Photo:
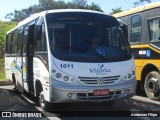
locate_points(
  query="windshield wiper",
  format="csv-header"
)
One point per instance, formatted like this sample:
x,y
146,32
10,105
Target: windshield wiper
x,y
83,51
95,41
72,48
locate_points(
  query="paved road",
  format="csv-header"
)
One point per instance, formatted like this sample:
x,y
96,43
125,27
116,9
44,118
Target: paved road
x,y
13,101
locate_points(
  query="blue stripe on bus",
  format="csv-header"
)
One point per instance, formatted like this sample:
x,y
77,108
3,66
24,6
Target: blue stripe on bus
x,y
15,68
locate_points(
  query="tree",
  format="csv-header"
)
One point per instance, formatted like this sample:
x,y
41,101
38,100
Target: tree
x,y
4,27
95,7
77,4
80,2
141,2
116,10
19,15
60,5
46,4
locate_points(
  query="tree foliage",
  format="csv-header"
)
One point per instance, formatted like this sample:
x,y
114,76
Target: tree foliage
x,y
19,15
116,10
141,2
95,7
4,27
82,3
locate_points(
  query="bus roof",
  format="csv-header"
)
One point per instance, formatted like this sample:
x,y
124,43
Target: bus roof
x,y
56,11
138,9
36,15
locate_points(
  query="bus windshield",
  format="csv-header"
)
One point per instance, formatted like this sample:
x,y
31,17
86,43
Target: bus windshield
x,y
86,37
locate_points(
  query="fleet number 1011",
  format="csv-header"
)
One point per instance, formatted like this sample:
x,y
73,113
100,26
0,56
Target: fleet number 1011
x,y
66,65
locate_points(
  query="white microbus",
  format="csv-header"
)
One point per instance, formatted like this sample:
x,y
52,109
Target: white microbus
x,y
70,56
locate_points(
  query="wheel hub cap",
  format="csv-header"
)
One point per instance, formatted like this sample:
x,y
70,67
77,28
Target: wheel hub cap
x,y
152,84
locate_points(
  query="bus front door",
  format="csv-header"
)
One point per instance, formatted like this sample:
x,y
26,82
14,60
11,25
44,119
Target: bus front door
x,y
28,43
29,58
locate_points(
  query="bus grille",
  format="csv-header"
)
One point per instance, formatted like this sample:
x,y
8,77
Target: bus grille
x,y
98,80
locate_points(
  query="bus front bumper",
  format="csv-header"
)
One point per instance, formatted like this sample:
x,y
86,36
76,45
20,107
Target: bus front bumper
x,y
66,94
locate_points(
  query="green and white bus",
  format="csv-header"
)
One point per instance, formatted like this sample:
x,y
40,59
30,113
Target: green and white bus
x,y
70,56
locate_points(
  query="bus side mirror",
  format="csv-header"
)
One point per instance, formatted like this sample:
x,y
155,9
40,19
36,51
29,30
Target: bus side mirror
x,y
38,32
31,32
125,31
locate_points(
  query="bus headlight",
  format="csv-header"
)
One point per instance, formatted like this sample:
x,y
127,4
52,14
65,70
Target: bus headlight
x,y
129,75
58,75
53,71
65,78
133,72
73,80
62,77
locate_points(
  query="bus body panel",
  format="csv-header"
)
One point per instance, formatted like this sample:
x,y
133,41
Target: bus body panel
x,y
86,94
81,91
20,70
143,59
42,74
96,70
13,69
24,70
8,68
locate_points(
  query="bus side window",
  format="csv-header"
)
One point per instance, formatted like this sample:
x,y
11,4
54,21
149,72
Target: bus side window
x,y
9,44
41,41
31,37
25,39
14,42
154,30
135,29
20,39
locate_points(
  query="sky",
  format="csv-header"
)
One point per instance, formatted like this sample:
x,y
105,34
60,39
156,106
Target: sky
x,y
8,6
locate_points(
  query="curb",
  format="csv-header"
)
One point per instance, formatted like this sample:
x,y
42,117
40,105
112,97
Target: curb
x,y
5,82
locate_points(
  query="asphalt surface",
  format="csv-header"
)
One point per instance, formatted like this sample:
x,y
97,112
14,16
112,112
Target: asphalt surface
x,y
124,109
13,101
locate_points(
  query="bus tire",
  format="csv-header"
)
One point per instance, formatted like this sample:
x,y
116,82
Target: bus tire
x,y
152,85
14,81
43,104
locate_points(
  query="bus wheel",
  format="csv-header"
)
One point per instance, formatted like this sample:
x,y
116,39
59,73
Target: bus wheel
x,y
43,104
14,80
152,85
15,86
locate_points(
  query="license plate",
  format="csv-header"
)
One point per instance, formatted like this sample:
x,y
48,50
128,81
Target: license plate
x,y
101,92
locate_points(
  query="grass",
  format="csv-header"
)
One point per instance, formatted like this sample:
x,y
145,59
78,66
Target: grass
x,y
2,71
